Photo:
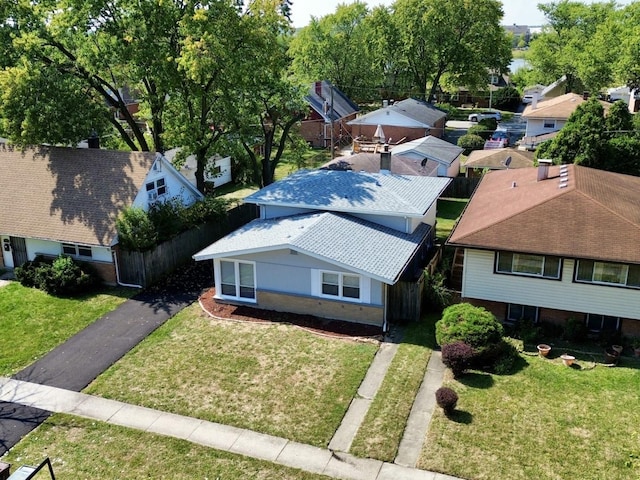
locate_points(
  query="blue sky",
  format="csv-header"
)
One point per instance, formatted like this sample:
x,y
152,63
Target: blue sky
x,y
521,12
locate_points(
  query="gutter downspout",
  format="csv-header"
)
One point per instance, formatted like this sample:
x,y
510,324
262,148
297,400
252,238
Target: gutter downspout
x,y
385,325
115,258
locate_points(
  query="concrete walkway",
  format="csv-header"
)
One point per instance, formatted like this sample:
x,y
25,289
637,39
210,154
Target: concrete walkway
x,y
346,432
421,413
222,437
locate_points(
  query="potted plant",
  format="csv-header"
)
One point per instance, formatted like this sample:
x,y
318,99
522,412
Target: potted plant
x,y
543,349
567,359
617,348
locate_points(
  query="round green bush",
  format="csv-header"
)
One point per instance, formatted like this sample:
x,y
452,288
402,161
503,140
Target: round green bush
x,y
465,323
471,142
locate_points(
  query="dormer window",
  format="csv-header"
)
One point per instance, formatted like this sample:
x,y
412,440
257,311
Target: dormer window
x,y
156,189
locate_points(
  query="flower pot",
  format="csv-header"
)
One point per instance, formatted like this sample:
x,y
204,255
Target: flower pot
x,y
617,348
567,359
611,356
543,349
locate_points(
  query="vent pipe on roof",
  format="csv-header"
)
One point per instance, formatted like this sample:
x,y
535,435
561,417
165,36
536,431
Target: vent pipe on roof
x,y
385,103
94,140
543,168
534,101
585,95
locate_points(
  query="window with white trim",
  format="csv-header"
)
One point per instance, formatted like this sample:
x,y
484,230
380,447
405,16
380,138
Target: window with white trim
x,y
340,285
516,313
548,124
602,323
237,279
76,250
604,273
156,189
543,266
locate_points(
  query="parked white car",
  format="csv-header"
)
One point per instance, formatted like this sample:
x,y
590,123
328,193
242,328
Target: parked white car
x,y
477,117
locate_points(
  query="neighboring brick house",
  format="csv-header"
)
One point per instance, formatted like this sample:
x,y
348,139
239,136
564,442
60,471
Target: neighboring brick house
x,y
329,109
333,244
401,121
554,243
66,200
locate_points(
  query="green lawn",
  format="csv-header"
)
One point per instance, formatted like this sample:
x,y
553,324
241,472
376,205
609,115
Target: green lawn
x,y
33,323
271,378
547,421
380,434
83,449
449,210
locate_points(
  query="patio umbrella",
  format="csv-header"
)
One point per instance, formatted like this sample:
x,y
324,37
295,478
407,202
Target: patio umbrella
x,y
379,134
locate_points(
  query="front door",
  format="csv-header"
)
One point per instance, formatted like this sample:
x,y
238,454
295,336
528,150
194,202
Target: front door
x,y
19,249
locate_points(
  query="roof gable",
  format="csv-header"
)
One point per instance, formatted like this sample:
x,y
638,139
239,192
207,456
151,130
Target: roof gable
x,y
68,194
429,147
353,192
597,214
351,243
409,113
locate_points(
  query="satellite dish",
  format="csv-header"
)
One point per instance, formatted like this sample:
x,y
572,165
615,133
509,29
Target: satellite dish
x,y
507,162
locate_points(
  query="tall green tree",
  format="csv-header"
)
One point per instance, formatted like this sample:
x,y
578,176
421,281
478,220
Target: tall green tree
x,y
335,48
578,43
456,39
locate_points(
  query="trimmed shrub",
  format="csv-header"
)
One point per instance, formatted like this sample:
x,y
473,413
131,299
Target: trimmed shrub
x,y
575,330
136,231
481,131
501,358
470,142
465,323
458,356
62,276
447,399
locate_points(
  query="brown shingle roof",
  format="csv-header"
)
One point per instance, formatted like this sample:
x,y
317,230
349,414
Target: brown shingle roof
x,y
495,159
597,215
68,194
558,107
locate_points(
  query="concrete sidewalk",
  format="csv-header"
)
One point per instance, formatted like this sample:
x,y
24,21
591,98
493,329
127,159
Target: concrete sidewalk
x,y
222,437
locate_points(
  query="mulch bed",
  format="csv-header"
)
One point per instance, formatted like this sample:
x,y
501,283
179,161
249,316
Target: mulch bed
x,y
323,326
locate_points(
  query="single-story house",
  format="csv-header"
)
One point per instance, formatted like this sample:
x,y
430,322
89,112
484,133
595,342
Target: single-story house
x,y
428,156
553,243
66,200
329,243
431,149
479,161
404,120
549,116
329,108
217,172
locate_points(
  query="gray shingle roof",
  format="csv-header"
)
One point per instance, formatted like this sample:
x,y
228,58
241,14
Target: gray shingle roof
x,y
354,192
354,244
429,147
417,110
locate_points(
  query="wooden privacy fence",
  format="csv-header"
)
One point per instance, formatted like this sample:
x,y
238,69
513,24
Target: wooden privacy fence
x,y
405,301
461,187
147,268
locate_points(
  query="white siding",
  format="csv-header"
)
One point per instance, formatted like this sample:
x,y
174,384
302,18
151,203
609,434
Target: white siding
x,y
282,271
454,168
535,126
34,247
397,223
175,187
274,211
480,282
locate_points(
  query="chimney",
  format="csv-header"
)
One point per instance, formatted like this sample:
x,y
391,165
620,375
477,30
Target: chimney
x,y
318,88
94,140
543,168
585,95
534,101
385,159
385,103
